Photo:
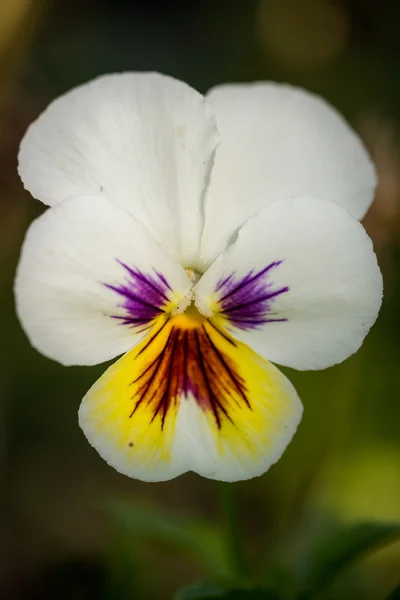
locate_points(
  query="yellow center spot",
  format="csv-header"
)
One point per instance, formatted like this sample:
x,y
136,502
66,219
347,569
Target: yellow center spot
x,y
190,319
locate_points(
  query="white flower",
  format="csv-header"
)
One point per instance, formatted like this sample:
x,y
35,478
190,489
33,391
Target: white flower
x,y
202,256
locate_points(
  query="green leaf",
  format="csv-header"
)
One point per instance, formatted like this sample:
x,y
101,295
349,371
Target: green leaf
x,y
341,549
199,591
204,591
256,594
194,538
395,594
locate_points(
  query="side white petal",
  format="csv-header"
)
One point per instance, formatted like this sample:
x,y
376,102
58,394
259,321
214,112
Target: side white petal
x,y
300,285
279,142
144,140
91,281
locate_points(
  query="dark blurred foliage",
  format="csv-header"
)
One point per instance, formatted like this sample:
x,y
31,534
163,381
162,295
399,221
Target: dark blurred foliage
x,y
57,538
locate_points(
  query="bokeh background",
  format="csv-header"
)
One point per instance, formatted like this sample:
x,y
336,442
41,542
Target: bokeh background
x,y
71,527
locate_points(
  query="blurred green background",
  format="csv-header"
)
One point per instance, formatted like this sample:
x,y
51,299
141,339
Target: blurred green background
x,y
70,526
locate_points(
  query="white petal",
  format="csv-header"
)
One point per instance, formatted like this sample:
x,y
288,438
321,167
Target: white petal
x,y
278,142
189,398
91,280
300,285
144,140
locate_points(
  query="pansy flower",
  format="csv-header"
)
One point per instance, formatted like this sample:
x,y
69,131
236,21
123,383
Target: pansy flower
x,y
200,238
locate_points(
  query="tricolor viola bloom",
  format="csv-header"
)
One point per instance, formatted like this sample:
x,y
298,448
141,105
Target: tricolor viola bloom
x,y
200,238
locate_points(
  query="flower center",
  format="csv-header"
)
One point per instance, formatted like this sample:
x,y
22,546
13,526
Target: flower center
x,y
190,318
193,275
187,304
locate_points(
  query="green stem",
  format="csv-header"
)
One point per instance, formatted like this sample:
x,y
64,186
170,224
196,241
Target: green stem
x,y
231,528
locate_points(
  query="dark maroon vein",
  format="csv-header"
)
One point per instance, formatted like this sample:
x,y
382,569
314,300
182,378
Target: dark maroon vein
x,y
154,361
151,340
164,397
227,368
222,334
213,398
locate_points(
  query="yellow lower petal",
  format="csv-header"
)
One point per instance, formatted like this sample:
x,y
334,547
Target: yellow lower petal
x,y
191,398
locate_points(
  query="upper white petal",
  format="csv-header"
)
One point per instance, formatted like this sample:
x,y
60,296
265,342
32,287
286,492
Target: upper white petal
x,y
279,141
70,254
324,285
144,140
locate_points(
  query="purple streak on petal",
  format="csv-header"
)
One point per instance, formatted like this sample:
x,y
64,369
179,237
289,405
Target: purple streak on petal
x,y
163,280
144,296
223,282
248,302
